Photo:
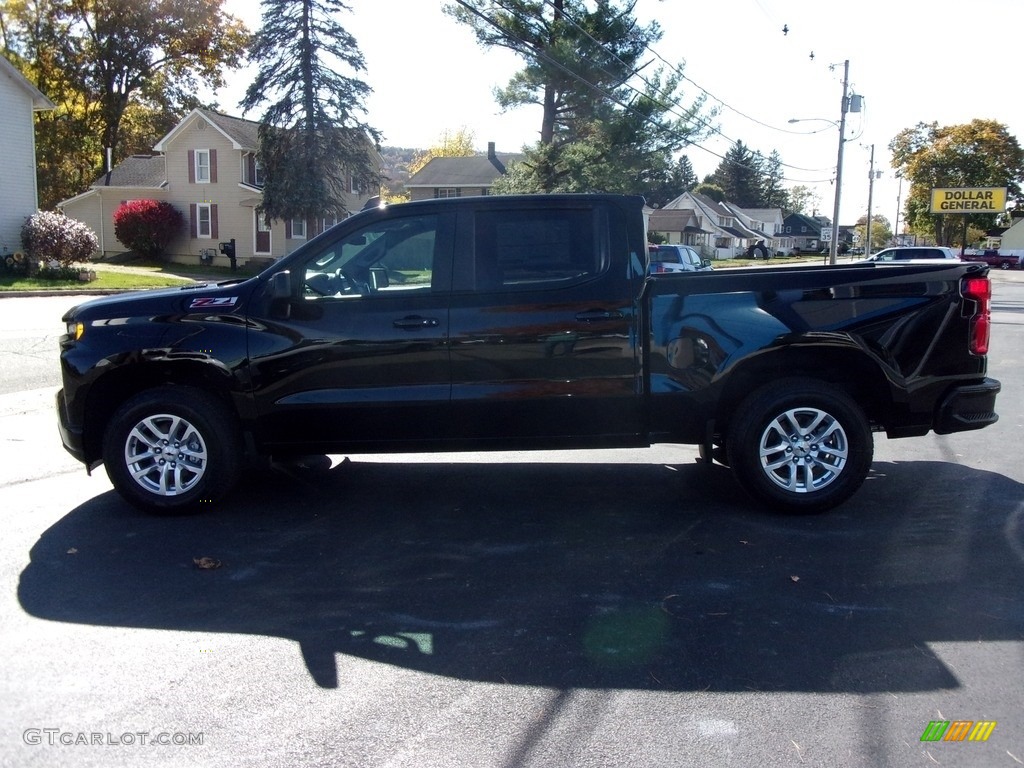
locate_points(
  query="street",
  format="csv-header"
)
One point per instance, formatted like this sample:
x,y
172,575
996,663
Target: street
x,y
599,608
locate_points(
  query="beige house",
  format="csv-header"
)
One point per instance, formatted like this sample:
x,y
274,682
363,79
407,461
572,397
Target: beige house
x,y
206,168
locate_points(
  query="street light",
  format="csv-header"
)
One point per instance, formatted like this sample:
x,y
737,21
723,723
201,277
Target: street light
x,y
833,246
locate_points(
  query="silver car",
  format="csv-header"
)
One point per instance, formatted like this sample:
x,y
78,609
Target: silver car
x,y
676,258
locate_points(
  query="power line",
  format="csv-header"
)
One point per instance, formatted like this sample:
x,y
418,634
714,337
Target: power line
x,y
683,75
542,55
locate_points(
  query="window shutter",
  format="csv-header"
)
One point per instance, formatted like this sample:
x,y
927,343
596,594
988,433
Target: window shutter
x,y
213,167
251,170
288,229
193,218
214,228
192,169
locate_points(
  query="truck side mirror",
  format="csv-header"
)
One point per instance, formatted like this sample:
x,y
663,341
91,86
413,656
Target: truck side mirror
x,y
281,285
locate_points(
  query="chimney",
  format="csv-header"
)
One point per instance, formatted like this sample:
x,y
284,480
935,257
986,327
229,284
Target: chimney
x,y
493,157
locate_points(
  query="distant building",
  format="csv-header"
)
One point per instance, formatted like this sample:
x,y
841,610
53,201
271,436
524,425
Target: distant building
x,y
717,230
460,176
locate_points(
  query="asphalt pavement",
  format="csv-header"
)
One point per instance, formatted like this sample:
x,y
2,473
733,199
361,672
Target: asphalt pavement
x,y
558,608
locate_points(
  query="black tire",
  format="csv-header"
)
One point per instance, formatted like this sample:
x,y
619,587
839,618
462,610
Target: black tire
x,y
207,456
800,446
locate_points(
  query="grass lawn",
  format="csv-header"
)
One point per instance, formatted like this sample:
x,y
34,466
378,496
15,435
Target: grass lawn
x,y
107,281
137,275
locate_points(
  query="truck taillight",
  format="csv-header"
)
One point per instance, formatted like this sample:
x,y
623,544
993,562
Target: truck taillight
x,y
979,290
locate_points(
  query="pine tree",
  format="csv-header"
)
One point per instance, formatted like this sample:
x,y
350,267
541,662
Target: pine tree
x,y
773,194
608,123
739,175
311,136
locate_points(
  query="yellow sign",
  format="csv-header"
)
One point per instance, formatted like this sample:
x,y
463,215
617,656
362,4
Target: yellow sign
x,y
969,200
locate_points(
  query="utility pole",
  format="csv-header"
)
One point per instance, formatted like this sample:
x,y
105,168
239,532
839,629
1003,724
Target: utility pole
x,y
899,199
871,189
834,245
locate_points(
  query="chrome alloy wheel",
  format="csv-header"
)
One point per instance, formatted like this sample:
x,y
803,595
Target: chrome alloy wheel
x,y
165,454
803,450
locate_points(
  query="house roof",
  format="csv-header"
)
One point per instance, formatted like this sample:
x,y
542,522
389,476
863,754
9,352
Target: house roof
x,y
675,220
39,101
243,134
474,171
763,214
807,221
146,171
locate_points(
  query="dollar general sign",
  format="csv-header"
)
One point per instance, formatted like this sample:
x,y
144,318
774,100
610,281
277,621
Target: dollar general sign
x,y
969,200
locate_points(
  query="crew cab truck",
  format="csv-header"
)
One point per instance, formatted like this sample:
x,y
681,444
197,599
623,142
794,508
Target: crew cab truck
x,y
519,323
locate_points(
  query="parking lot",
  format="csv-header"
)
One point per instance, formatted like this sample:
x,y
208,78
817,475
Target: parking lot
x,y
555,608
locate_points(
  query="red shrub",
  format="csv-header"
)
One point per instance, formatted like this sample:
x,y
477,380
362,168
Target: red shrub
x,y
147,226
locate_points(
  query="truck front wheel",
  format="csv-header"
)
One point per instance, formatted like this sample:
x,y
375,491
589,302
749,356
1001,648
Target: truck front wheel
x,y
800,446
171,449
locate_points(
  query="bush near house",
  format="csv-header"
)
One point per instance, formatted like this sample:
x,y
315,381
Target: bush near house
x,y
147,226
57,241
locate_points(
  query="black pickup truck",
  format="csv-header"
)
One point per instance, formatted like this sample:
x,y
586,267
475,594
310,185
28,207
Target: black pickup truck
x,y
519,323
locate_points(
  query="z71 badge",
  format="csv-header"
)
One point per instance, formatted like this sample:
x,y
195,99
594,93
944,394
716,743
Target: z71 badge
x,y
210,301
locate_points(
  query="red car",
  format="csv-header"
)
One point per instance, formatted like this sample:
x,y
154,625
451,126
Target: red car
x,y
995,259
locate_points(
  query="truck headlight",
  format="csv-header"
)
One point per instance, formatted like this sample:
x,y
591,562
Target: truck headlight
x,y
75,330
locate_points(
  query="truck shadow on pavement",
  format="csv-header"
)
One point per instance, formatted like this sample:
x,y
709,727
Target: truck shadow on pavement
x,y
641,576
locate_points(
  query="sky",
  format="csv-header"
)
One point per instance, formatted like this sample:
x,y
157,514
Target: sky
x,y
911,60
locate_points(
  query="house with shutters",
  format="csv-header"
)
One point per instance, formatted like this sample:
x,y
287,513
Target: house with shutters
x,y
206,167
19,198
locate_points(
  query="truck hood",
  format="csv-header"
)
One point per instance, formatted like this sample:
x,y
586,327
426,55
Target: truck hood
x,y
223,297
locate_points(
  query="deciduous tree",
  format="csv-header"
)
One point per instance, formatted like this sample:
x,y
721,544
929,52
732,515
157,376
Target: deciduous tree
x,y
981,153
450,144
121,72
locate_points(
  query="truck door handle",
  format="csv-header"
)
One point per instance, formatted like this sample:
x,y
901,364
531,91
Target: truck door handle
x,y
415,322
598,314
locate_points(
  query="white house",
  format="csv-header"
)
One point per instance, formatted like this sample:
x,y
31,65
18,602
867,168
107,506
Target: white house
x,y
714,228
1013,239
19,197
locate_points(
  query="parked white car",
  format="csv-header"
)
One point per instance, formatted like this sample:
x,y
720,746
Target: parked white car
x,y
676,258
914,253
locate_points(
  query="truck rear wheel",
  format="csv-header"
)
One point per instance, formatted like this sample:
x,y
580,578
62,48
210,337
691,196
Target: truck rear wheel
x,y
172,449
800,446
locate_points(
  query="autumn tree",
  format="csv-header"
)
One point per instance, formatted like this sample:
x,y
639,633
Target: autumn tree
x,y
450,144
981,153
121,72
881,232
607,123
